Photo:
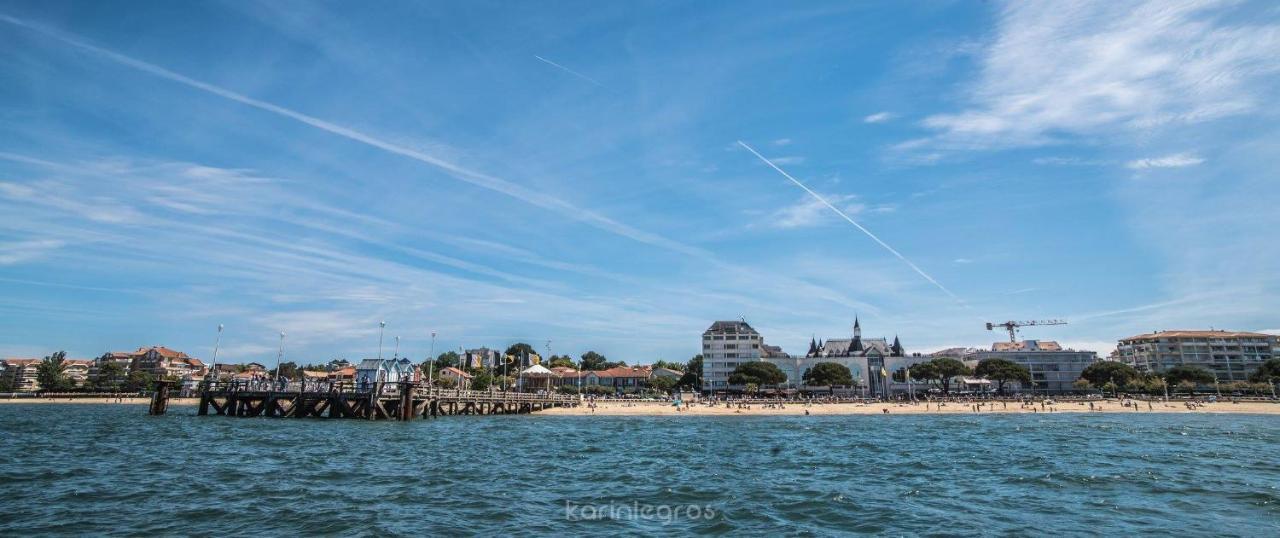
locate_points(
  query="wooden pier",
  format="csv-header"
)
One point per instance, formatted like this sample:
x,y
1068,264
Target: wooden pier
x,y
401,401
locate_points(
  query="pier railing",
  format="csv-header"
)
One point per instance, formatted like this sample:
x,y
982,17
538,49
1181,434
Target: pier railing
x,y
383,390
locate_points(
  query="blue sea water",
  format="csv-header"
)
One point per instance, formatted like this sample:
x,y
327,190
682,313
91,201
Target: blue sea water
x,y
112,470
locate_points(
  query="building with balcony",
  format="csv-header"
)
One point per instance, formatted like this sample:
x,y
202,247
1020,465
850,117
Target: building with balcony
x,y
1053,369
725,345
1230,355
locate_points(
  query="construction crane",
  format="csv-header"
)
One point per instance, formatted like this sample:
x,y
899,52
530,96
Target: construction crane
x,y
1012,326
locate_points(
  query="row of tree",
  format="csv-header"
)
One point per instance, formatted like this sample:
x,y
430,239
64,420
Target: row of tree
x,y
1106,375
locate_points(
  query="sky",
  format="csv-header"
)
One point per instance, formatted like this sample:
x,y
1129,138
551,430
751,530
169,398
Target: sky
x,y
616,176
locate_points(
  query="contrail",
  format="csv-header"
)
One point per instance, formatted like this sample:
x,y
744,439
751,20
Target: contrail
x,y
460,173
569,71
853,222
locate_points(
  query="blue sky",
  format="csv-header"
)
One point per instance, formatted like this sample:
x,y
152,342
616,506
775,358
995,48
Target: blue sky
x,y
500,172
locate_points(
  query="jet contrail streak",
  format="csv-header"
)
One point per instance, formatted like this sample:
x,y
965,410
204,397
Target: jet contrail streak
x,y
569,71
853,222
460,173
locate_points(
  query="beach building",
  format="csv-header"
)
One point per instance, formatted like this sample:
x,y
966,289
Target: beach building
x,y
481,358
21,374
668,373
1230,355
77,370
460,377
343,374
1053,369
872,361
725,345
371,371
621,378
162,362
120,358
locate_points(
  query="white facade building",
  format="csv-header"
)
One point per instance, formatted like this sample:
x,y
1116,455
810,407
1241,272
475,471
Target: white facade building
x,y
1232,356
1053,369
725,345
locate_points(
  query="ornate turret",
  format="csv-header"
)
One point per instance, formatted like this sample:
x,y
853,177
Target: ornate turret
x,y
813,347
856,344
897,347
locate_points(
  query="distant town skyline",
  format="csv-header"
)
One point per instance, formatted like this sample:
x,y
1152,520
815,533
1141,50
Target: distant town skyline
x,y
572,173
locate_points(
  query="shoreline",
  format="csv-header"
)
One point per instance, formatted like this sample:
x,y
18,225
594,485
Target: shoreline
x,y
921,408
643,409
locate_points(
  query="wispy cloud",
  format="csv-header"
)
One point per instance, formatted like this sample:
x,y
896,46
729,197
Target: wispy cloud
x,y
782,142
15,252
1070,68
878,117
456,171
1177,160
962,261
1068,161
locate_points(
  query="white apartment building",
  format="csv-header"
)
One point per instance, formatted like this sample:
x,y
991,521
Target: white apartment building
x,y
1232,356
725,345
1053,369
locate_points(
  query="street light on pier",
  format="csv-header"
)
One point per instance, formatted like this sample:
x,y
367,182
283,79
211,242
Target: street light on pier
x,y
382,328
279,356
397,354
213,365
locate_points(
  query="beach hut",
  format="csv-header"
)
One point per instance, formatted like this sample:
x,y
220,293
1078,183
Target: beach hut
x,y
536,377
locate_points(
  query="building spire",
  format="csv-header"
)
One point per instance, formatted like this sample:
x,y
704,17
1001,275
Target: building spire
x,y
897,347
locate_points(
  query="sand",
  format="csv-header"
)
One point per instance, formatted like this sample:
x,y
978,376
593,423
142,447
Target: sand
x,y
1108,406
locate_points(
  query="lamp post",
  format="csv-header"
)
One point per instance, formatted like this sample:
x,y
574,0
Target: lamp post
x,y
279,356
382,328
213,365
431,366
397,353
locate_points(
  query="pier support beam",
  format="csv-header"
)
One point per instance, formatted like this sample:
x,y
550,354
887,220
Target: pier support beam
x,y
159,399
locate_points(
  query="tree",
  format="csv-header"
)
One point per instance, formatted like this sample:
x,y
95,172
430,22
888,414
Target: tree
x,y
614,364
1185,372
110,376
51,373
1082,385
828,374
520,349
924,371
557,361
758,372
448,359
690,380
288,370
1102,372
669,365
694,366
445,382
594,361
6,383
946,368
662,383
1267,372
138,381
482,380
1002,371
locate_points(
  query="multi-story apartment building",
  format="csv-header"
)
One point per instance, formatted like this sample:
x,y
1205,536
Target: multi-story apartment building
x,y
1053,369
1232,356
725,345
21,374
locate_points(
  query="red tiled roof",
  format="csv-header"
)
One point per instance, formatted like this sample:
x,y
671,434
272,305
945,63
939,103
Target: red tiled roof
x,y
625,371
1198,334
451,371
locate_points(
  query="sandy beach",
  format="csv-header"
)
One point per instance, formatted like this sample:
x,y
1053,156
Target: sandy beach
x,y
947,408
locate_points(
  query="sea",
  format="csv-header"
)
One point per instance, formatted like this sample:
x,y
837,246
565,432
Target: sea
x,y
111,470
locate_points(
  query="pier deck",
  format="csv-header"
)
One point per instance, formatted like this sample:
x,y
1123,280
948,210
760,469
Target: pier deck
x,y
400,401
